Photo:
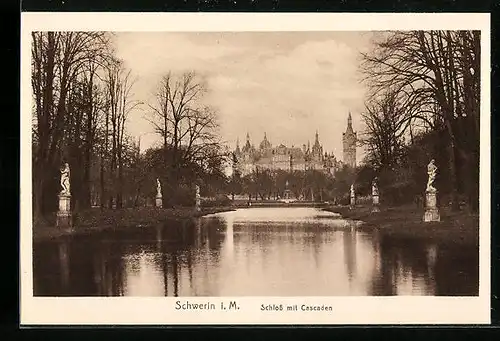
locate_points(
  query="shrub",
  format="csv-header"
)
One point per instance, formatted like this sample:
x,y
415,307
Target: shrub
x,y
217,201
398,194
181,195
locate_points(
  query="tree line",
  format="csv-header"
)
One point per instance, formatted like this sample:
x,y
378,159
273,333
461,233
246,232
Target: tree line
x,y
423,103
309,185
83,97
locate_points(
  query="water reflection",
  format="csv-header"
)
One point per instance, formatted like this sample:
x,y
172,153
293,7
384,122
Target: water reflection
x,y
253,252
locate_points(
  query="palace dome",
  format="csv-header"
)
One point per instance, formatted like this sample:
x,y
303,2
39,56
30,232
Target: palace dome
x,y
265,144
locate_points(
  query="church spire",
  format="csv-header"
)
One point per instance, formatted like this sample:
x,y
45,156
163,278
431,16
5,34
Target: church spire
x,y
247,146
349,123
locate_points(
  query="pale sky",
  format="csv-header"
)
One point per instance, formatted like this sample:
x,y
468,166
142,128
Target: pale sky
x,y
287,84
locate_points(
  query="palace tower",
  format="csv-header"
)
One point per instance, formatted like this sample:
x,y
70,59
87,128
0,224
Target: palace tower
x,y
349,140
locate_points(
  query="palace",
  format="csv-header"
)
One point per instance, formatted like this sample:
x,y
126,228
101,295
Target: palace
x,y
284,158
265,156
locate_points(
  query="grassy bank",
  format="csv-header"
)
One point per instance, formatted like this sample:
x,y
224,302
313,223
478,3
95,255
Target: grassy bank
x,y
406,222
95,219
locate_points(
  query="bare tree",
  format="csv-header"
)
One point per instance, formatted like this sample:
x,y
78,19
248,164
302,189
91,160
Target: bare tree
x,y
119,91
187,126
439,73
59,59
386,124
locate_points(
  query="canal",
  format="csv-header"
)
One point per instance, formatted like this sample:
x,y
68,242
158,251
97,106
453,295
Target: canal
x,y
253,252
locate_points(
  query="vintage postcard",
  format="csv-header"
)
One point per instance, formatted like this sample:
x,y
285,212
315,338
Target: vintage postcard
x,y
255,168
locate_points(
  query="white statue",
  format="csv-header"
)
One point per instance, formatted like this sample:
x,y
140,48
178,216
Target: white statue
x,y
158,188
352,190
375,187
197,191
431,171
65,173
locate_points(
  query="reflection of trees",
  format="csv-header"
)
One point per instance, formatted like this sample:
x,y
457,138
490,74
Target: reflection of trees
x,y
457,271
164,269
94,266
179,234
79,267
400,257
184,242
64,265
443,269
266,236
349,238
316,241
45,269
47,274
108,273
383,282
53,269
175,272
190,269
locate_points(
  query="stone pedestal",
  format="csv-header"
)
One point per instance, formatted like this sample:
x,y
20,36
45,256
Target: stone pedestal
x,y
159,202
376,204
353,200
64,214
431,210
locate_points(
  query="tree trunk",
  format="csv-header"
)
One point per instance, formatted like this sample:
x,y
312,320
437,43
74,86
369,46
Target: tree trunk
x,y
101,179
104,196
119,196
86,192
452,165
38,184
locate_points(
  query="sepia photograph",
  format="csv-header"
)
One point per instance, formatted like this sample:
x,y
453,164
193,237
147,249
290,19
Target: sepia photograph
x,y
236,163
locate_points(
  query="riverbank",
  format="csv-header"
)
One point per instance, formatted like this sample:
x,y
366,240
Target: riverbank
x,y
406,222
96,220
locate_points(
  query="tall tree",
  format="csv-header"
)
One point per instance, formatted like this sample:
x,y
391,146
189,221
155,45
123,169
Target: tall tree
x,y
119,91
188,127
386,122
439,70
58,61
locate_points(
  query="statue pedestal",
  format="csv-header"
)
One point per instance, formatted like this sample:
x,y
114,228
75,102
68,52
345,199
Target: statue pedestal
x,y
159,202
353,201
63,218
198,204
376,204
431,210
